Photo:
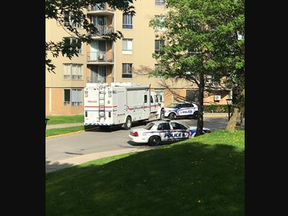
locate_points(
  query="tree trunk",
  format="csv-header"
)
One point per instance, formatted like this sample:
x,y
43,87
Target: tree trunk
x,y
200,122
233,120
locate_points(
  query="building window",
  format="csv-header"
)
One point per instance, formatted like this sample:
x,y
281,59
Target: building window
x,y
159,23
72,97
127,46
158,44
98,74
68,20
126,70
192,95
160,2
72,71
75,43
127,21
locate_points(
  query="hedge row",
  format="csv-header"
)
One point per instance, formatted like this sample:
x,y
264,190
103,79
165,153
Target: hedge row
x,y
215,108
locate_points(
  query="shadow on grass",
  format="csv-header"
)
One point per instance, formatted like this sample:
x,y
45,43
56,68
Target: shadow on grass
x,y
187,179
56,166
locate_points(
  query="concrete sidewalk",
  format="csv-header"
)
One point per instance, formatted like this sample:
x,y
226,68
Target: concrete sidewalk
x,y
69,162
63,125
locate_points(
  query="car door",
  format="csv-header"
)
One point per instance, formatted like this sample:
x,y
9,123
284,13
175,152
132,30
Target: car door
x,y
179,131
182,111
190,109
164,130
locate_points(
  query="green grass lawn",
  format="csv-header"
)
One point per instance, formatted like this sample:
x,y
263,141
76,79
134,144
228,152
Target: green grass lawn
x,y
64,119
58,131
203,176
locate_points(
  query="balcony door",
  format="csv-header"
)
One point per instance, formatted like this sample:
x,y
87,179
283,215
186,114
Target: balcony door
x,y
100,22
98,74
98,50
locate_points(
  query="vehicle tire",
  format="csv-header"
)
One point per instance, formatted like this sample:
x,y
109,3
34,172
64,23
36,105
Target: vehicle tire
x,y
195,115
128,123
154,140
161,114
172,116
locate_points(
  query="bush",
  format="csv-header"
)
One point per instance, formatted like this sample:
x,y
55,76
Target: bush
x,y
215,108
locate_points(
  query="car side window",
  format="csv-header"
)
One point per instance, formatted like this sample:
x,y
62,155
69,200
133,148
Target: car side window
x,y
163,126
176,126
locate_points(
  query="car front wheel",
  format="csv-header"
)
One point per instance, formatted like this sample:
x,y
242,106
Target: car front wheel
x,y
172,116
154,140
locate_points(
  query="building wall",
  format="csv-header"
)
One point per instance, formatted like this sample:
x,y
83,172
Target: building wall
x,y
55,82
143,47
143,44
55,105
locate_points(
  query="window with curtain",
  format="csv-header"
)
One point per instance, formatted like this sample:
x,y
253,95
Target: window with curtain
x,y
127,22
72,71
126,70
160,2
158,45
72,97
127,46
98,74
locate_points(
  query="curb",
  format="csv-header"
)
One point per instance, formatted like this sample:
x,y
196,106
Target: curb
x,y
66,134
215,116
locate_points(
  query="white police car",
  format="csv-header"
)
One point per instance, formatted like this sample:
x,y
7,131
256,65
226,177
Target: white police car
x,y
182,109
155,132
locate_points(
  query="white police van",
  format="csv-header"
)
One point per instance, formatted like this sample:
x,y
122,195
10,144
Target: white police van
x,y
181,109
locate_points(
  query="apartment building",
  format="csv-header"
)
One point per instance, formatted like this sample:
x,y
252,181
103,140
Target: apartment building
x,y
126,60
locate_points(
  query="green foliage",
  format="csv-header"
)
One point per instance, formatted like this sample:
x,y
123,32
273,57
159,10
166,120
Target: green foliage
x,y
58,131
200,176
202,38
65,119
215,108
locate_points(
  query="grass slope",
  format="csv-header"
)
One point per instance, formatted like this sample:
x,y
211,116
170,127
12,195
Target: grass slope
x,y
203,176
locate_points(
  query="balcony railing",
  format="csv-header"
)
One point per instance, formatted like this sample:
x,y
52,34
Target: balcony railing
x,y
102,30
100,56
99,7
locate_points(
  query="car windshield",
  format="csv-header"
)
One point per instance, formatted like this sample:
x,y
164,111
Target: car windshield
x,y
173,105
149,126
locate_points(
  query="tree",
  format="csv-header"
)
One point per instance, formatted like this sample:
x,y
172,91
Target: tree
x,y
70,12
202,39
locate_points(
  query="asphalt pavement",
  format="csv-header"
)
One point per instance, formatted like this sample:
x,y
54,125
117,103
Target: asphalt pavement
x,y
76,160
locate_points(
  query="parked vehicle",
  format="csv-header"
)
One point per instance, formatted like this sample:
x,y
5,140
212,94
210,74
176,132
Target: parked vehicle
x,y
158,131
121,104
181,109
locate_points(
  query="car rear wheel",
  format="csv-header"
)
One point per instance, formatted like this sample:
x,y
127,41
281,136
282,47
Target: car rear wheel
x,y
154,140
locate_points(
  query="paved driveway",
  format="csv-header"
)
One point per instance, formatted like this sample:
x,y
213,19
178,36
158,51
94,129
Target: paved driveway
x,y
82,147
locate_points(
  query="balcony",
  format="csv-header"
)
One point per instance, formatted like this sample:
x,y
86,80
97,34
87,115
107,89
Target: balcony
x,y
100,9
100,57
102,30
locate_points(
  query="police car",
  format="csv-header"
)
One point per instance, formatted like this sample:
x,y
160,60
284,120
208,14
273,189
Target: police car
x,y
156,132
182,109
